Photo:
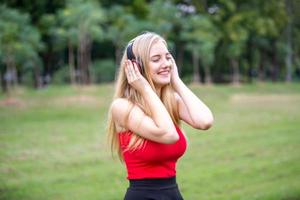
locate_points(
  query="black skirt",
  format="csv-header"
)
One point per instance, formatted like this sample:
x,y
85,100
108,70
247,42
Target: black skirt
x,y
153,189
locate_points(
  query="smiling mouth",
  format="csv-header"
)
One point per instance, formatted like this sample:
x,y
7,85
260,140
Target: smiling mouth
x,y
164,73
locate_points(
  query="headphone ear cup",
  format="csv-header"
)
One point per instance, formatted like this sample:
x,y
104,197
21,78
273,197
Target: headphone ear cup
x,y
138,65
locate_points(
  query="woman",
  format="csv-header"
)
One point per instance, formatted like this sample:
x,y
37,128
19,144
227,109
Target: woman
x,y
144,119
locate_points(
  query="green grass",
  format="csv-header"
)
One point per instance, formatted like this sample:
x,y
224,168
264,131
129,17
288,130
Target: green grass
x,y
53,145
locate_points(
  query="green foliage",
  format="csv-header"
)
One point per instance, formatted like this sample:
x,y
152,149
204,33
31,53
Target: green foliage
x,y
61,76
123,26
168,16
202,36
27,77
103,70
80,18
252,34
20,41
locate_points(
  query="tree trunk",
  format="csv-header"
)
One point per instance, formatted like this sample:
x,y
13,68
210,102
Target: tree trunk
x,y
118,54
250,50
207,74
37,83
10,76
275,65
79,65
82,64
288,59
261,71
84,58
88,49
3,82
180,58
196,74
80,55
48,58
71,63
235,71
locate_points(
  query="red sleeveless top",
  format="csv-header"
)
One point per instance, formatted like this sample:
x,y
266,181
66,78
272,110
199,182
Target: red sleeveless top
x,y
153,160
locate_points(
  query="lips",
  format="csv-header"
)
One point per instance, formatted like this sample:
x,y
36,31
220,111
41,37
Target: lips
x,y
165,72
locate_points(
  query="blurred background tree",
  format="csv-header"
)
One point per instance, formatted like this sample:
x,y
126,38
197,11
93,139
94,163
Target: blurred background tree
x,y
19,46
81,42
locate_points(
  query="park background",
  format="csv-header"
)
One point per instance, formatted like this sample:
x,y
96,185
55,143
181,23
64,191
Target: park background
x,y
58,61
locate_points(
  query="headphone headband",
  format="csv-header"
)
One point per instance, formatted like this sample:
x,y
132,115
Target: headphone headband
x,y
130,54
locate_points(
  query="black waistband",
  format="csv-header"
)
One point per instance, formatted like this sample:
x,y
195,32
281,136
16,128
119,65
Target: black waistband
x,y
158,183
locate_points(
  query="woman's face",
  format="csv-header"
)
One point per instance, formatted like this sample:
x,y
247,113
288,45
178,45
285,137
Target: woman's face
x,y
160,64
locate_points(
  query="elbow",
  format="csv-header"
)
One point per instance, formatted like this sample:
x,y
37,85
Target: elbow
x,y
207,125
204,124
166,136
173,138
170,137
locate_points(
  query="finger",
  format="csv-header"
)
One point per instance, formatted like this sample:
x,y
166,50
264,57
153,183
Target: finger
x,y
173,61
132,71
136,69
128,75
125,68
131,75
172,58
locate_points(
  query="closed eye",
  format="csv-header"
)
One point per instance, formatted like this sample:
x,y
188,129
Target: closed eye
x,y
155,58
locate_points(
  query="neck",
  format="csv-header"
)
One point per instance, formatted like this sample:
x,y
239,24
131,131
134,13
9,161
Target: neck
x,y
158,91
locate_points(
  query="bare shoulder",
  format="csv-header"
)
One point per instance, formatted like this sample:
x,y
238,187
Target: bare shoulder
x,y
119,107
119,103
118,111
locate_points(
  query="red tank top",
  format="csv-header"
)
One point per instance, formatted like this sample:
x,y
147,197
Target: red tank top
x,y
153,160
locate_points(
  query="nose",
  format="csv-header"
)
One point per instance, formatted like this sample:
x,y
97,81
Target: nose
x,y
167,62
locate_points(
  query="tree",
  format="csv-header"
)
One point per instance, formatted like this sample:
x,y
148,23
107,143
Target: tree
x,y
231,22
42,16
123,27
168,15
169,24
80,25
266,32
20,43
201,37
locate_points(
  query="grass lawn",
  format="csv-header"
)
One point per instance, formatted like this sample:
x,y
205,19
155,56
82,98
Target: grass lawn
x,y
53,145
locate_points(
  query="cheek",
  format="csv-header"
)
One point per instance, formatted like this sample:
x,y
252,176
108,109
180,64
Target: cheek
x,y
153,69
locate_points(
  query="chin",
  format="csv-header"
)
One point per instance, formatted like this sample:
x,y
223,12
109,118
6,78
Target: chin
x,y
162,82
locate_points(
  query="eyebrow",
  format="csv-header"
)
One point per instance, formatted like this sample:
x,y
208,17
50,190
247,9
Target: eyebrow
x,y
158,55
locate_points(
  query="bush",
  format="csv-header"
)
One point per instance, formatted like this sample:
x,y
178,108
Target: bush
x,y
27,78
61,76
103,70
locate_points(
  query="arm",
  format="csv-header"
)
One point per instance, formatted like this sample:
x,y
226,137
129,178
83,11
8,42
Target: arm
x,y
191,109
159,127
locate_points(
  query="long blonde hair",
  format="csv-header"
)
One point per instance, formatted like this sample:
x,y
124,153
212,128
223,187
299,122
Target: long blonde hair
x,y
141,49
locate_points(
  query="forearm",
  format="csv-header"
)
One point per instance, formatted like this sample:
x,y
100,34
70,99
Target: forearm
x,y
199,113
159,113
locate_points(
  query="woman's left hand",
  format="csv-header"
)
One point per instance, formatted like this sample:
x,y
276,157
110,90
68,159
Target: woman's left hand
x,y
174,73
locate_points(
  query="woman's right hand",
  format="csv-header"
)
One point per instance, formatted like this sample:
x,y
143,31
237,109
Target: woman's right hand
x,y
134,77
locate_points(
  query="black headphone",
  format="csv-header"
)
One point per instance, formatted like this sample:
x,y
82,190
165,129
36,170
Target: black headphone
x,y
131,56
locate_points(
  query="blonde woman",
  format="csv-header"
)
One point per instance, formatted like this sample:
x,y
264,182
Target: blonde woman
x,y
144,118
